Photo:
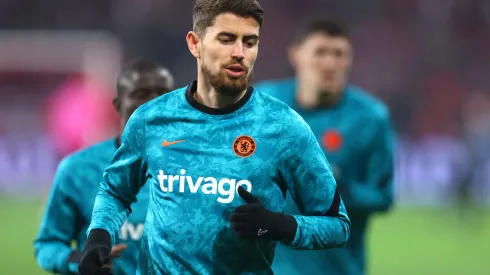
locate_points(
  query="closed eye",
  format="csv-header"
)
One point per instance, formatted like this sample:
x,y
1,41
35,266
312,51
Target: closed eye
x,y
251,43
226,40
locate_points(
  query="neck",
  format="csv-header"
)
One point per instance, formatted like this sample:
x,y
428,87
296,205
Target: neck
x,y
310,97
211,97
118,141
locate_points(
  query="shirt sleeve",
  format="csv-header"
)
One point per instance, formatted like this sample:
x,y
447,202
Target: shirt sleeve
x,y
122,180
59,224
308,175
376,192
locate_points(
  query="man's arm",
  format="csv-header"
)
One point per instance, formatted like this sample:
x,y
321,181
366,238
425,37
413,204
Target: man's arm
x,y
310,181
59,226
122,181
376,192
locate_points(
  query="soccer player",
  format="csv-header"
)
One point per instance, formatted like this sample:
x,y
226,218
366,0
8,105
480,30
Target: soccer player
x,y
218,157
71,200
355,133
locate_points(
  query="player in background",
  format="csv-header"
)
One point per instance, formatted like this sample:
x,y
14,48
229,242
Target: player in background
x,y
218,158
355,132
71,200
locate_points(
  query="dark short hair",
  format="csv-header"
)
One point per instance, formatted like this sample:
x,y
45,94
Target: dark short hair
x,y
205,11
140,66
323,25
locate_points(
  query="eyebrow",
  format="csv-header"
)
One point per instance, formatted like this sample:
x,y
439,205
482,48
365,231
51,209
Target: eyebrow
x,y
246,37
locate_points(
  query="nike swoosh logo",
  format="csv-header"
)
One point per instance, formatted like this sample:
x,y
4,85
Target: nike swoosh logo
x,y
261,232
166,143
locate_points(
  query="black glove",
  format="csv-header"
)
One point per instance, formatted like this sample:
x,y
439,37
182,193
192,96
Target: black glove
x,y
96,253
73,262
252,220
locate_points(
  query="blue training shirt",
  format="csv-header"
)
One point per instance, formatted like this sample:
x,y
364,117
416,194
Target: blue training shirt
x,y
357,138
193,158
69,210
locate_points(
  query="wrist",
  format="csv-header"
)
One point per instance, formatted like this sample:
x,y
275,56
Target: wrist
x,y
286,227
290,227
73,261
98,237
75,256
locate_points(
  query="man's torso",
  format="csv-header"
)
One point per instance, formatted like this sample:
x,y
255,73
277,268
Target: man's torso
x,y
195,163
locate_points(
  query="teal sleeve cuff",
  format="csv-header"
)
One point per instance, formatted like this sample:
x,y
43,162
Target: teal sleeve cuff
x,y
62,259
73,268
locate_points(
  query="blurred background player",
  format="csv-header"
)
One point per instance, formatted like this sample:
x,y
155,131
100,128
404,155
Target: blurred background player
x,y
355,131
71,200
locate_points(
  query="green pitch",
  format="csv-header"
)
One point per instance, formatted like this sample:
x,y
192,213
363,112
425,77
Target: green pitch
x,y
406,242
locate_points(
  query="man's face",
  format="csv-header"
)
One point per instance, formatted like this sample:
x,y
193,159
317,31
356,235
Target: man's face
x,y
323,61
228,51
144,88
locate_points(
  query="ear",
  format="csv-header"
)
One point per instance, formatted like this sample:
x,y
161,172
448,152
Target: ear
x,y
193,42
116,102
351,58
293,53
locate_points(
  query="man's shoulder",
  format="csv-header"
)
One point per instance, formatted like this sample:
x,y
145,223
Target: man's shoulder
x,y
282,89
275,83
372,106
84,166
98,151
167,102
165,105
274,104
289,120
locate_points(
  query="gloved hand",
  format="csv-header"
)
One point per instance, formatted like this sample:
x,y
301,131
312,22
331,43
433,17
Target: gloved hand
x,y
96,254
74,261
253,220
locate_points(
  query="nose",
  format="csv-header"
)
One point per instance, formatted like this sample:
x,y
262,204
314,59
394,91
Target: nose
x,y
238,51
329,61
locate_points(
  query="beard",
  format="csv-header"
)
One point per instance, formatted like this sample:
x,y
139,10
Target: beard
x,y
226,85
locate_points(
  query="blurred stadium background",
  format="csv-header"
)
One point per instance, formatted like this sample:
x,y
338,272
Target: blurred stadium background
x,y
428,59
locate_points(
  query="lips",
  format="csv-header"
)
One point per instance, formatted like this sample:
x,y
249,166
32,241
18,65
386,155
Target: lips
x,y
235,71
236,68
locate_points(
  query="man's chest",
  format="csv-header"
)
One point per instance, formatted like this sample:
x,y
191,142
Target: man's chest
x,y
214,161
341,136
